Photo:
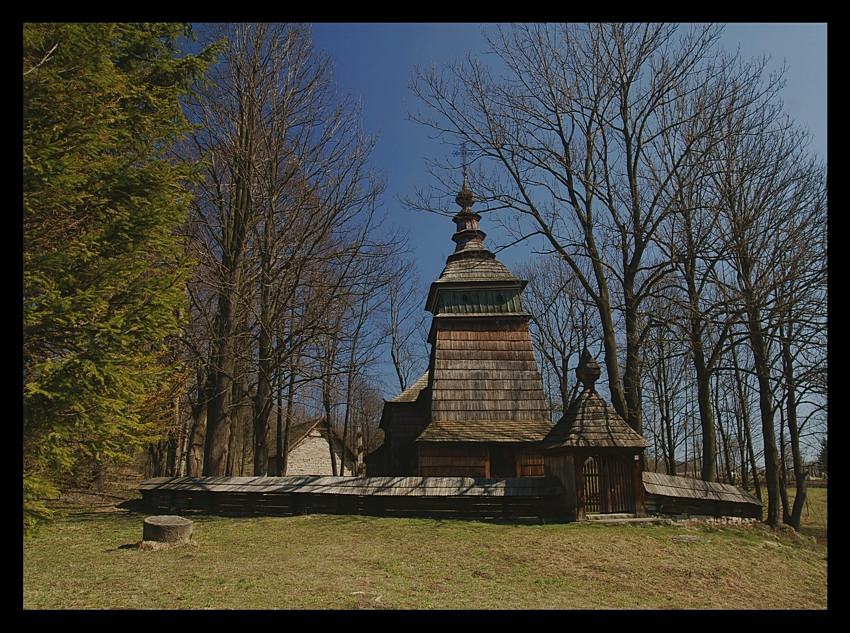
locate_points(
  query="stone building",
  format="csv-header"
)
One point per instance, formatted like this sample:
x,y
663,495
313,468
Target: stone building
x,y
309,453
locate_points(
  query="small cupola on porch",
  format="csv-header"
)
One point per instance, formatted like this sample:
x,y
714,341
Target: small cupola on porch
x,y
595,452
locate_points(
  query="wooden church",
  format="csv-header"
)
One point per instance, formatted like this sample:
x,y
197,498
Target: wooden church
x,y
479,410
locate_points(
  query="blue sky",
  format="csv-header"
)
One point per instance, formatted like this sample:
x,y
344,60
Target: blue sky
x,y
375,62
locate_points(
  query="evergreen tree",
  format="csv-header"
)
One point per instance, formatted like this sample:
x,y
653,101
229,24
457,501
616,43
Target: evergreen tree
x,y
104,268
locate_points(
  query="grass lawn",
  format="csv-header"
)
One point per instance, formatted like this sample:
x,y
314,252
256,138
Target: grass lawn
x,y
86,561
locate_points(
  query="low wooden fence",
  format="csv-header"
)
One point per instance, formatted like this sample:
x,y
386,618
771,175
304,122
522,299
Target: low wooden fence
x,y
667,494
515,499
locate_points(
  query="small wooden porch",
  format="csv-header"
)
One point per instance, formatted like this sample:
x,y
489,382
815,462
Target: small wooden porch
x,y
596,453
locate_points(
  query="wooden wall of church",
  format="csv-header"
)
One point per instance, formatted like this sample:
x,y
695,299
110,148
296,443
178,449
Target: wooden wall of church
x,y
453,460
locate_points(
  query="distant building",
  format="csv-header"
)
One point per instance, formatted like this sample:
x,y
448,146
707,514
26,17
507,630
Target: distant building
x,y
815,469
309,453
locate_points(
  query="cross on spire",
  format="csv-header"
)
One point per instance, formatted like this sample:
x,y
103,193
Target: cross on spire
x,y
465,197
463,158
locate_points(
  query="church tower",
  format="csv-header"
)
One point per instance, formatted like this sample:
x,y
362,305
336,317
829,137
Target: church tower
x,y
479,410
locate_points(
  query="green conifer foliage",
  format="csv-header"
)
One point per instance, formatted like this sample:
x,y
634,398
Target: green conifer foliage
x,y
104,268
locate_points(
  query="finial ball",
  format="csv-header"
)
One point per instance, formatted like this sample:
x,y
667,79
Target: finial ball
x,y
588,370
465,198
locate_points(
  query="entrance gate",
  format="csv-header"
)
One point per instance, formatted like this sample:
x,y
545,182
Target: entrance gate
x,y
608,484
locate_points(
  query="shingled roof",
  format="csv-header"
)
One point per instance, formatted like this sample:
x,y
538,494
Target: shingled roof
x,y
485,431
590,422
672,486
479,265
412,392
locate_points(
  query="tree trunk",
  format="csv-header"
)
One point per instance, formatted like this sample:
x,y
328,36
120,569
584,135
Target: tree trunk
x,y
283,447
280,443
771,457
742,444
247,437
783,470
631,375
364,300
745,415
662,394
263,403
195,448
564,383
219,408
794,432
231,442
752,454
326,403
706,414
241,418
609,344
727,458
179,449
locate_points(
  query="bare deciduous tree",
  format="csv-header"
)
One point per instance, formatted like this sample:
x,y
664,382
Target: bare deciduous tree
x,y
577,146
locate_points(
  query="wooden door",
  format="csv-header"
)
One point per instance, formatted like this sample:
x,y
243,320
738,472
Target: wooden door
x,y
608,484
591,475
620,485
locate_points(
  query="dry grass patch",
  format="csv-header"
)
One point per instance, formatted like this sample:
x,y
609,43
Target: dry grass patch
x,y
353,562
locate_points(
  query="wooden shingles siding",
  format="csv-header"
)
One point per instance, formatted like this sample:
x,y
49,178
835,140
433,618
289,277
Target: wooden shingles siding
x,y
486,386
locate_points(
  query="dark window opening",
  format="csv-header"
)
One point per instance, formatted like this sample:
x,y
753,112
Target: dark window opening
x,y
502,462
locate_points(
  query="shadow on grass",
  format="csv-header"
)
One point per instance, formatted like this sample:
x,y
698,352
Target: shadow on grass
x,y
136,506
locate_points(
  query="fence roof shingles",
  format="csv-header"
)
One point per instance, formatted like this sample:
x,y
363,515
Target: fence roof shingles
x,y
673,486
